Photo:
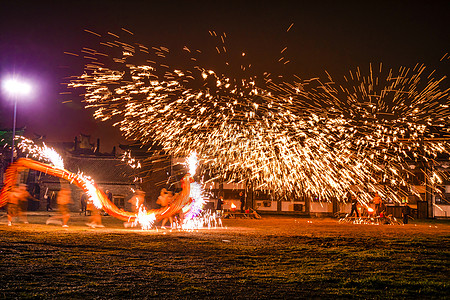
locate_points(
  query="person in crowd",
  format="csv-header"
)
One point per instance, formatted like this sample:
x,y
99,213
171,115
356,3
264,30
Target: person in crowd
x,y
377,201
109,195
165,199
242,198
354,206
49,200
406,212
83,203
219,207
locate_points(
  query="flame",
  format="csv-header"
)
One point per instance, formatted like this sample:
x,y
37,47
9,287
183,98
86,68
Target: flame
x,y
232,205
370,210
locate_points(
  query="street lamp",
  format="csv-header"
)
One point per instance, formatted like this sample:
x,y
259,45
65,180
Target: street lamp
x,y
15,89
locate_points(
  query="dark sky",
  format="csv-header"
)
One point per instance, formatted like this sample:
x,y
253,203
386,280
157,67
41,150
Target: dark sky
x,y
327,35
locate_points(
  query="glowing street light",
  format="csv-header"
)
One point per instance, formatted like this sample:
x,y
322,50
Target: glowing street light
x,y
15,89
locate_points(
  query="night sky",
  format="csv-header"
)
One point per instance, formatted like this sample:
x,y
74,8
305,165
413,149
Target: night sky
x,y
326,35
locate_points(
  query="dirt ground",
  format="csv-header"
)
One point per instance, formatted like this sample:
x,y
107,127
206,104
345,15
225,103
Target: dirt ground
x,y
271,258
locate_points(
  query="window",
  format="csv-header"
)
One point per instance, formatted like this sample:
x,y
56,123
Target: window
x,y
442,197
119,201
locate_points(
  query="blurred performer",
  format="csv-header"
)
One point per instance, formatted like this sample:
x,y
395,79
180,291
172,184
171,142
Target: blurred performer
x,y
96,217
13,204
18,198
24,195
164,199
63,200
137,201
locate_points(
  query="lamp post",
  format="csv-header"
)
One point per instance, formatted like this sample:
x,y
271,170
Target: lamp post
x,y
15,88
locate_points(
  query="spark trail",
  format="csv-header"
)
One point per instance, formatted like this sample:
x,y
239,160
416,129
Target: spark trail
x,y
313,137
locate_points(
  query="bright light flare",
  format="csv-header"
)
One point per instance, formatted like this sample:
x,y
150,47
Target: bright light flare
x,y
144,220
16,87
192,163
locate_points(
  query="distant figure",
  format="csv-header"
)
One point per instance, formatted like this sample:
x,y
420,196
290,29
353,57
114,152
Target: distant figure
x,y
63,200
406,212
35,195
354,206
242,198
109,195
83,202
377,201
219,208
49,200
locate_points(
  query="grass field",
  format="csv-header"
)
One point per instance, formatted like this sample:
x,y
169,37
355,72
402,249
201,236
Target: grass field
x,y
275,257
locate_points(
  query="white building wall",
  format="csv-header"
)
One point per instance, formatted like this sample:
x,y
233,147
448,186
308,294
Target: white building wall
x,y
260,206
321,207
233,186
289,205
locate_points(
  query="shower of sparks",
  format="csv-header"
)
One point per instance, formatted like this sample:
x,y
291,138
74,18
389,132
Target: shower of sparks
x,y
192,163
315,137
41,153
198,201
92,190
144,220
207,220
